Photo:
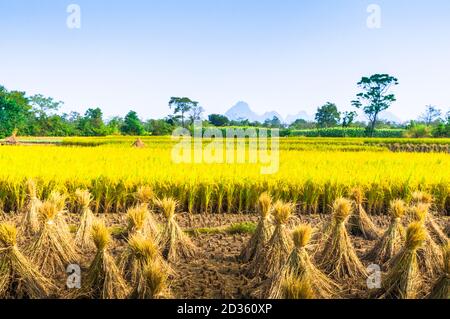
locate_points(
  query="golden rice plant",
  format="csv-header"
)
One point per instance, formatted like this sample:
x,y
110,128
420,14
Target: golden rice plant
x,y
30,223
173,241
263,231
19,277
83,237
51,251
430,257
273,256
404,280
338,257
145,195
103,279
394,237
300,269
441,290
295,289
360,223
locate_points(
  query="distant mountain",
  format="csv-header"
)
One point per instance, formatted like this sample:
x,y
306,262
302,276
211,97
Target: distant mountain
x,y
242,111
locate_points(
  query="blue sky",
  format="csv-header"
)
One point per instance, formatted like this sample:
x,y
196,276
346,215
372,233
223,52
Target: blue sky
x,y
283,55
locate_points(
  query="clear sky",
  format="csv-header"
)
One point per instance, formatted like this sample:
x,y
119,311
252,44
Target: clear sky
x,y
283,55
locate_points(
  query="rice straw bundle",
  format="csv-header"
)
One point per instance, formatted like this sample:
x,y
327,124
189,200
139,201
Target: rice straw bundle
x,y
173,241
83,238
430,257
441,289
140,252
140,221
403,281
263,231
51,250
274,255
300,269
19,278
103,279
360,223
144,195
30,223
338,257
59,200
154,284
295,289
393,239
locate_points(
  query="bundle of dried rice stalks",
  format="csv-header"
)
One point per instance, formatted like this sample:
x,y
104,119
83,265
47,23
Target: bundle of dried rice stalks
x,y
360,223
154,283
403,281
420,197
140,221
83,238
173,241
274,255
139,253
51,251
300,269
19,278
441,289
294,289
144,195
393,239
338,256
430,257
30,224
59,200
103,279
263,231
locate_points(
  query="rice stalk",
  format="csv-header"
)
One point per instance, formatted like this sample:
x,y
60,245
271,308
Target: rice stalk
x,y
154,283
30,223
360,223
338,257
393,239
83,237
263,230
174,242
441,290
19,278
140,221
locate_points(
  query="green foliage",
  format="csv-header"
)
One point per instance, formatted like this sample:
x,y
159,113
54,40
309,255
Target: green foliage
x,y
347,132
328,115
218,120
132,125
182,105
14,112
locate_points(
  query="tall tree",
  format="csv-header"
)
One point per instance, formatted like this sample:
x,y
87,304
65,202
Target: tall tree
x,y
132,125
182,105
328,115
348,118
431,115
14,112
218,120
92,123
375,97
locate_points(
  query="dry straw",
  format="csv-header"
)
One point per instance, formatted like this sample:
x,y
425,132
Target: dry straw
x,y
103,279
263,231
154,283
430,257
19,278
51,249
30,223
404,281
360,223
299,271
274,255
173,241
59,200
441,289
338,257
394,237
140,221
83,237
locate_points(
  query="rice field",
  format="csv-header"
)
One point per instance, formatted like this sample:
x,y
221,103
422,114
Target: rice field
x,y
136,225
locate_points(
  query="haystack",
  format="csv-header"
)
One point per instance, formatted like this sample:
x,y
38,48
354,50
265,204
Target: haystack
x,y
140,221
154,283
83,238
51,251
441,289
263,231
30,224
139,143
12,140
173,241
404,280
273,256
19,278
338,257
393,239
360,223
299,271
103,279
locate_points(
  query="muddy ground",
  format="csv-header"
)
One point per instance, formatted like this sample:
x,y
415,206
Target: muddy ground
x,y
218,273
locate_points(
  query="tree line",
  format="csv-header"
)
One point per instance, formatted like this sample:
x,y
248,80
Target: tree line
x,y
38,115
